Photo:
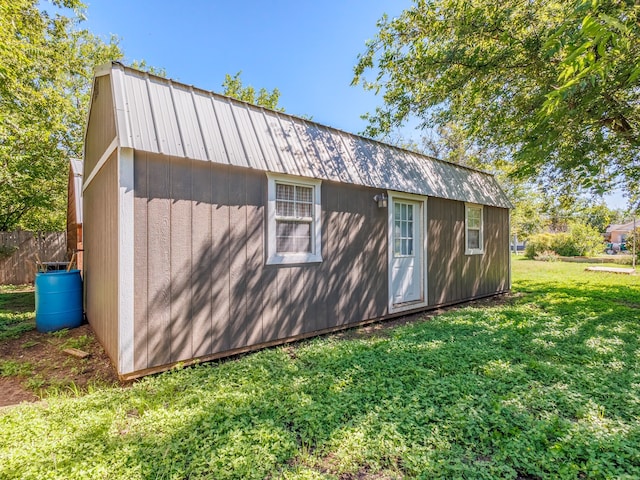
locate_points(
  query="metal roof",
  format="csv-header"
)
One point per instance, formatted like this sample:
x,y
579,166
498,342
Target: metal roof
x,y
162,116
623,227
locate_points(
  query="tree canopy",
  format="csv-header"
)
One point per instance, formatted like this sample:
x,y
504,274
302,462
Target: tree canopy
x,y
46,70
553,84
46,67
233,87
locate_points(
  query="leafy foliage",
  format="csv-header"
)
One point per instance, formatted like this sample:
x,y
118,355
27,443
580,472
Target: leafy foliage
x,y
554,84
16,311
13,368
539,244
633,242
598,215
542,385
580,240
46,67
233,87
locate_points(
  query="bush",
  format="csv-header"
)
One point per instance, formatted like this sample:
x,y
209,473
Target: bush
x,y
580,240
562,244
547,256
538,244
585,240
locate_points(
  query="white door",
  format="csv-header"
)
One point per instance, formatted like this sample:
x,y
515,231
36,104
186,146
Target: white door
x,y
406,251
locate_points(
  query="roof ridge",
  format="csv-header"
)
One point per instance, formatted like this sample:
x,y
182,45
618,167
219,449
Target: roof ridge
x,y
300,118
169,117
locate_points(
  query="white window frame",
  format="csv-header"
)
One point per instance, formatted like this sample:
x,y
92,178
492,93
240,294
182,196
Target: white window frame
x,y
275,258
467,250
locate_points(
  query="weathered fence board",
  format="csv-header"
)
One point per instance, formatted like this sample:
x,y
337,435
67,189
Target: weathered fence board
x,y
18,250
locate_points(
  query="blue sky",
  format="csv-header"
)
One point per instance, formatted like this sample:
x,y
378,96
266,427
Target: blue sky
x,y
305,49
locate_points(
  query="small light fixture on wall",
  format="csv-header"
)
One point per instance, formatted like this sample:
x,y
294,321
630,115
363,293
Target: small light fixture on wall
x,y
381,198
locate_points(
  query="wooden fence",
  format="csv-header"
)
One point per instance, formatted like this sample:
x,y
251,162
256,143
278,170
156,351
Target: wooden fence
x,y
18,249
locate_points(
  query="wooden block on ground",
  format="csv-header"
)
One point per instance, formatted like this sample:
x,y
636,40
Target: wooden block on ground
x,y
76,353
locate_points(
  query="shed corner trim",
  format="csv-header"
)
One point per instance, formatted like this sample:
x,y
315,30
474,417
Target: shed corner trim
x,y
125,261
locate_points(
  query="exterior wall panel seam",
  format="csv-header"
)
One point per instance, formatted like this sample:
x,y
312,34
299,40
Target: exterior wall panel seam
x,y
153,114
199,122
175,111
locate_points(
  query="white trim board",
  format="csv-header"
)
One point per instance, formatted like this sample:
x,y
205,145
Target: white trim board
x,y
274,258
467,250
126,272
424,301
103,159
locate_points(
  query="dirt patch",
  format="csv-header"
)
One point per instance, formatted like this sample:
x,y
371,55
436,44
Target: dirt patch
x,y
331,466
12,392
35,365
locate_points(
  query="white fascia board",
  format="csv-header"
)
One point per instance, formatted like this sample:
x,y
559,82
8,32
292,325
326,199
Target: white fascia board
x,y
123,129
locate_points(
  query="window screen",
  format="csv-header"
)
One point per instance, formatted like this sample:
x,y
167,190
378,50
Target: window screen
x,y
294,218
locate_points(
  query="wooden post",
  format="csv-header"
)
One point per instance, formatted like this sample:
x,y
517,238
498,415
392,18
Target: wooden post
x,y
635,240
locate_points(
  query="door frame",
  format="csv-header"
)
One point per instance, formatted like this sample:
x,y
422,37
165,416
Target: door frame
x,y
424,298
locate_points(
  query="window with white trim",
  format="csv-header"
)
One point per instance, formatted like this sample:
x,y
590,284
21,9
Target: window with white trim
x,y
293,230
474,238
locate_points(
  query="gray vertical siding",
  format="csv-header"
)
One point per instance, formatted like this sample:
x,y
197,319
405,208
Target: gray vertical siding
x,y
201,241
101,255
202,286
101,129
454,276
141,252
180,180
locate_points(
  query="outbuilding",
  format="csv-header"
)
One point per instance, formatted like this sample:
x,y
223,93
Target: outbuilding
x,y
213,227
74,212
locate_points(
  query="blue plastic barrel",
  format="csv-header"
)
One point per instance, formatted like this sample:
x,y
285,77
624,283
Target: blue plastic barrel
x,y
58,300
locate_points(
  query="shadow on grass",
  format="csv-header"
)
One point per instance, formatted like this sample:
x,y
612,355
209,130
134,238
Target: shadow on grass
x,y
544,386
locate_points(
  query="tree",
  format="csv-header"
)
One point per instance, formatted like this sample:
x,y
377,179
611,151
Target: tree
x,y
145,67
554,84
597,214
450,143
46,67
633,243
233,88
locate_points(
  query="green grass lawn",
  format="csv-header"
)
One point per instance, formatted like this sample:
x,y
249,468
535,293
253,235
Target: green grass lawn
x,y
16,311
544,385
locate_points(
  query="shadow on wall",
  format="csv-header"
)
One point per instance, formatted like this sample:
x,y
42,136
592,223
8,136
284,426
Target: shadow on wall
x,y
202,283
453,275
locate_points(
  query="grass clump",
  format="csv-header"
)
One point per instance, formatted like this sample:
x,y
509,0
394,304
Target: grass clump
x,y
14,368
542,385
17,307
78,342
